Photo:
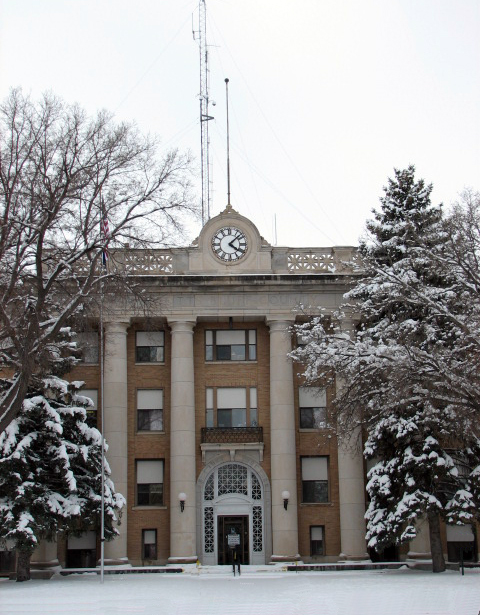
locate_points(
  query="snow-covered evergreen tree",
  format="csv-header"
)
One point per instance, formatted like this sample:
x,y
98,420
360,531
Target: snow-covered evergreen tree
x,y
50,471
406,214
401,366
417,475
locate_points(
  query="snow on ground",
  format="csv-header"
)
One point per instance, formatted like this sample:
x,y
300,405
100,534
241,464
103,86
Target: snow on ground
x,y
399,592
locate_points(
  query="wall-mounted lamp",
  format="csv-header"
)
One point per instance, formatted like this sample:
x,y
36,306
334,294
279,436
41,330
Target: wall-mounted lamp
x,y
286,497
182,497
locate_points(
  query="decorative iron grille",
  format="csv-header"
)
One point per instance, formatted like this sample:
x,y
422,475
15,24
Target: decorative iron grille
x,y
256,488
209,530
257,529
232,478
218,435
210,488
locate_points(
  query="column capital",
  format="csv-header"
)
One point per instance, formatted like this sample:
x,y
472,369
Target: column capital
x,y
117,326
182,323
279,324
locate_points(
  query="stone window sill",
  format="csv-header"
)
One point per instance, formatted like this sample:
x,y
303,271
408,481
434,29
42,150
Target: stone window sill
x,y
307,504
142,363
150,432
312,430
230,362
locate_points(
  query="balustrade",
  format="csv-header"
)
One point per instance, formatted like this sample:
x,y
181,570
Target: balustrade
x,y
231,435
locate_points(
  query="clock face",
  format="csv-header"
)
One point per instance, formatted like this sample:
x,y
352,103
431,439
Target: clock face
x,y
229,244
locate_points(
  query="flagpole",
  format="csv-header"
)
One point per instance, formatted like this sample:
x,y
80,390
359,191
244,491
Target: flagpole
x,y
102,413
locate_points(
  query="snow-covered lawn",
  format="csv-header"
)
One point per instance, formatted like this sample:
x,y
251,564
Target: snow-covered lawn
x,y
399,592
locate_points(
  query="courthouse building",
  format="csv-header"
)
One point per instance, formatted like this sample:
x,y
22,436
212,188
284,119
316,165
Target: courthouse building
x,y
214,439
209,427
211,430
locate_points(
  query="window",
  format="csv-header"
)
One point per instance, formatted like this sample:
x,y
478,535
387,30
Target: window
x,y
7,560
88,343
150,482
231,345
314,479
150,410
312,402
82,550
316,540
149,544
209,408
150,347
253,407
231,407
92,394
461,543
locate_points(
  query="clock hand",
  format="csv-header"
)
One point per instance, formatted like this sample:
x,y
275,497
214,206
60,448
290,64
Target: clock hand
x,y
238,236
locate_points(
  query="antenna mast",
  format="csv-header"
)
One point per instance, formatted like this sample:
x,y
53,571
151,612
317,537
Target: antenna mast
x,y
201,34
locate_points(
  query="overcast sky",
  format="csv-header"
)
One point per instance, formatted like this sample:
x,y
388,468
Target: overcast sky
x,y
326,96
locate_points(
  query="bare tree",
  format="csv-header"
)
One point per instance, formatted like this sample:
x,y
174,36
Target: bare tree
x,y
72,187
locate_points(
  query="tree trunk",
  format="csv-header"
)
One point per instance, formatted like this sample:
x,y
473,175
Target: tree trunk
x,y
23,565
12,404
438,561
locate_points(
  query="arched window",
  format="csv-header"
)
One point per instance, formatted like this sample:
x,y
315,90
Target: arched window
x,y
232,478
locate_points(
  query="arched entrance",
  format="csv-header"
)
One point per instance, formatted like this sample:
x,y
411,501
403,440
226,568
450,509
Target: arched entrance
x,y
234,499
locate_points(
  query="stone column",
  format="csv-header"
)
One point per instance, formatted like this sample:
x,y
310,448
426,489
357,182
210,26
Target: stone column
x,y
182,443
283,450
115,428
45,554
419,547
351,479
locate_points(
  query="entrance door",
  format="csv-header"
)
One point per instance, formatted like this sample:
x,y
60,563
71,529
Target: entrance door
x,y
228,526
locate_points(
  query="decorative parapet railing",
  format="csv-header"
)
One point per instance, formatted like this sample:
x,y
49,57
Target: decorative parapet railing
x,y
231,435
293,261
142,262
322,260
146,262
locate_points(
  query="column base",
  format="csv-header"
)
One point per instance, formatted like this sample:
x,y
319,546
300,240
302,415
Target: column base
x,y
118,561
362,557
417,555
285,558
43,575
183,560
44,565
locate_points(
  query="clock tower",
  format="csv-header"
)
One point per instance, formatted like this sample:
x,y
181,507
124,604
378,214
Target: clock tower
x,y
230,243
